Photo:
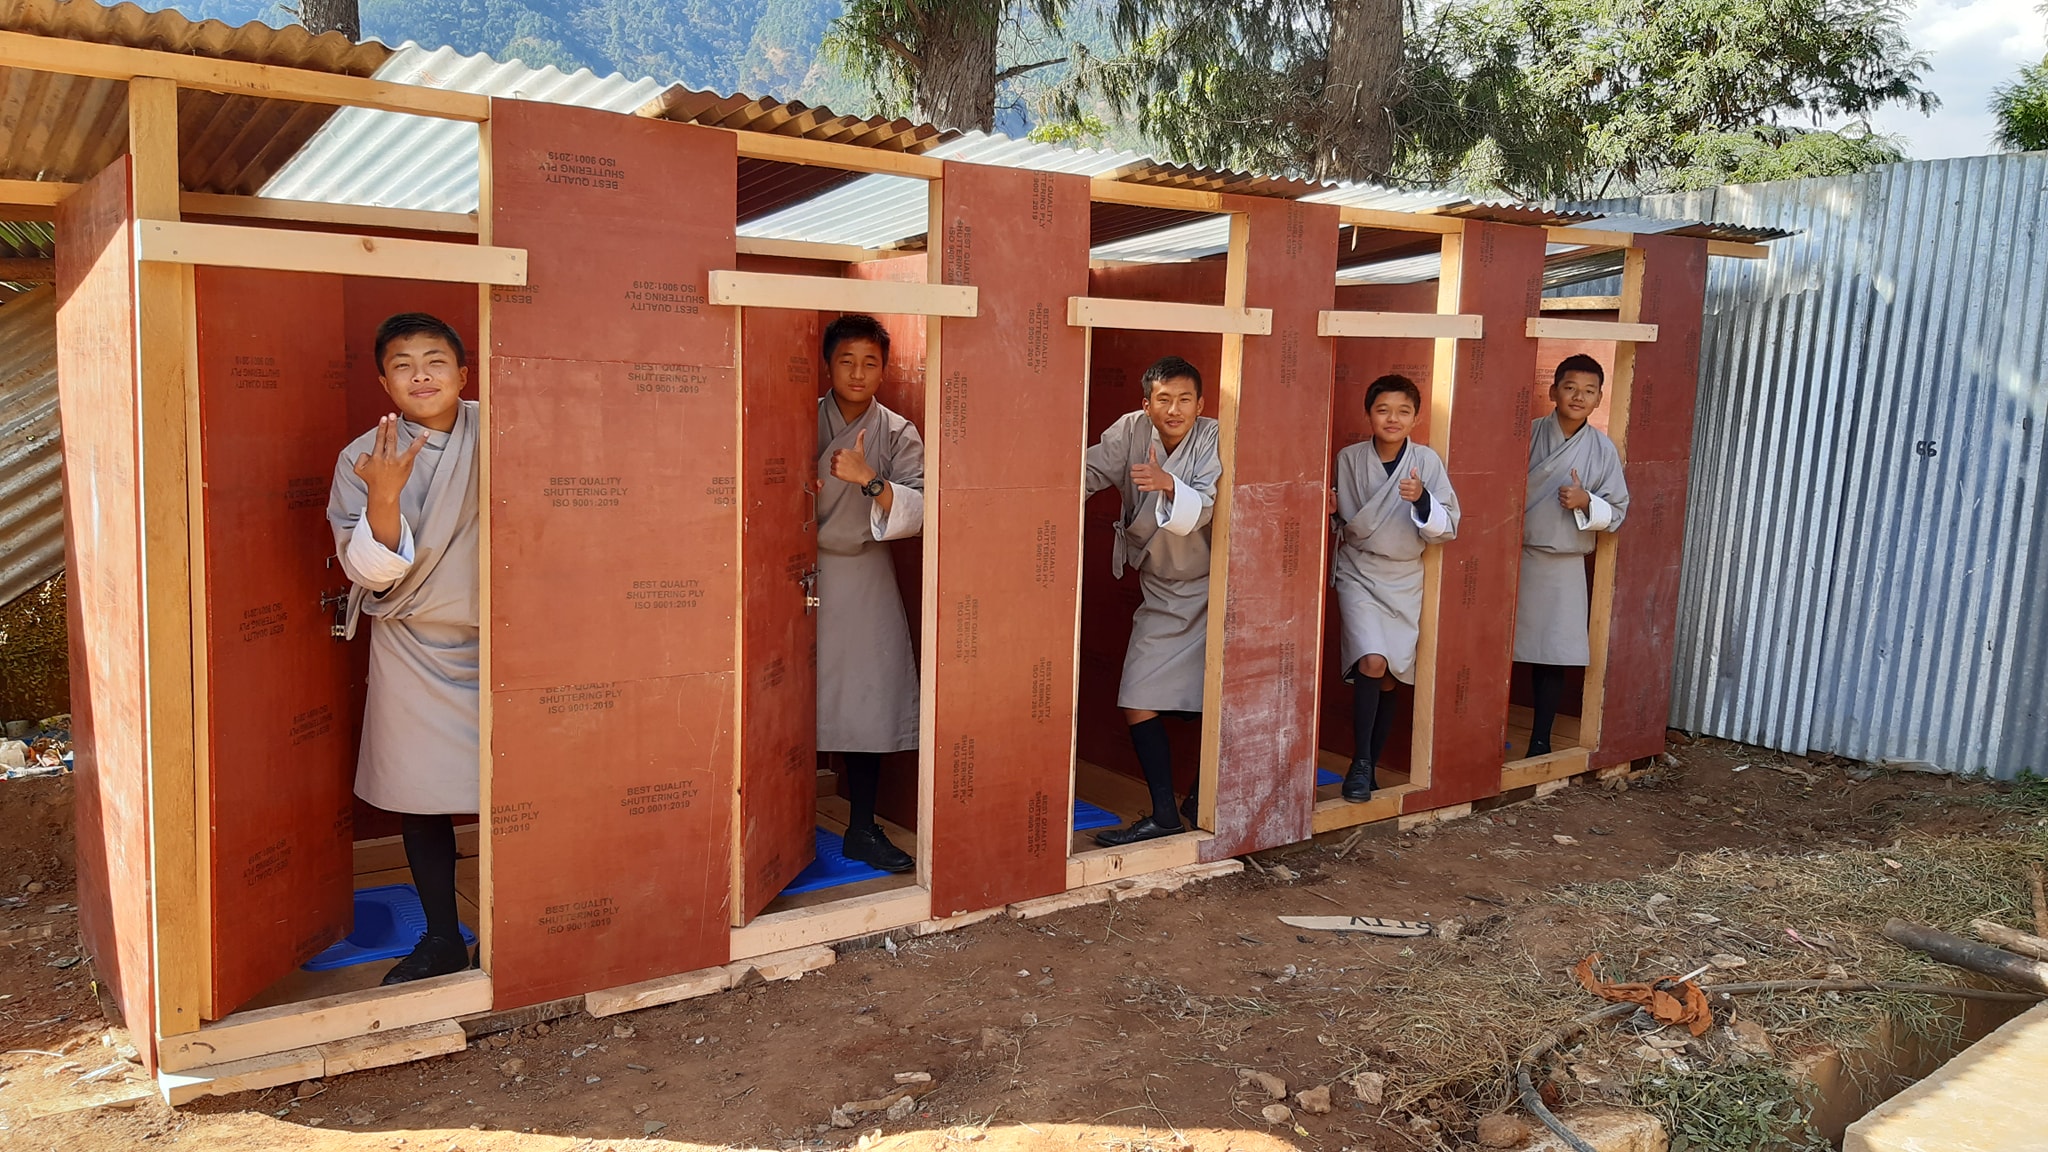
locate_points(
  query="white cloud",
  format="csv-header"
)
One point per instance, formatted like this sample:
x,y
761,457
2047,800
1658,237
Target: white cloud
x,y
1972,46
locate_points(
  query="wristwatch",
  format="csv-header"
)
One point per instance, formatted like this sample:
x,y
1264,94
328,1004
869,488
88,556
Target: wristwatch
x,y
873,487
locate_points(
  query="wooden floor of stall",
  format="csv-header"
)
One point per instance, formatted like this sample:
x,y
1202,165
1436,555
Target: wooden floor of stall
x,y
1564,733
833,811
378,862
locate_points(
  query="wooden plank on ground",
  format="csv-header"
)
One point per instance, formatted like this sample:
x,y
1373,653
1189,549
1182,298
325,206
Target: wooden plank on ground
x,y
661,990
1103,864
248,1075
397,1046
270,1030
841,920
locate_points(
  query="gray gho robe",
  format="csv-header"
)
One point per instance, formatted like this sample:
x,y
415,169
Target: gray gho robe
x,y
867,675
1550,610
419,750
1167,541
1378,568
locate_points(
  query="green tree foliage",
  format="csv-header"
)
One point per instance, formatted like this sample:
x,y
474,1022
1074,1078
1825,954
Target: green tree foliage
x,y
2021,106
1768,153
945,60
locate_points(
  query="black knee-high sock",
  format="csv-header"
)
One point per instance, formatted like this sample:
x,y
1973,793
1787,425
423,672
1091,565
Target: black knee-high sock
x,y
863,783
430,853
1383,724
1546,683
1155,756
1365,711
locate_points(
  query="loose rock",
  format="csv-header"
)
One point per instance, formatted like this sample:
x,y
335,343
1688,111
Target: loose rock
x,y
1370,1087
903,1108
1271,1084
513,1067
1314,1101
913,1077
1501,1130
623,1032
1750,1036
1277,1114
840,1119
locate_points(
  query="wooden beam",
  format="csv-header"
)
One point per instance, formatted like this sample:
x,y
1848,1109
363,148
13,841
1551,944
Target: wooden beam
x,y
808,250
27,271
1110,190
826,923
832,294
1548,328
1736,249
235,77
825,154
238,246
1621,387
318,212
1589,237
1101,865
1558,765
265,1031
1161,316
1385,804
39,193
1391,221
1581,304
1416,325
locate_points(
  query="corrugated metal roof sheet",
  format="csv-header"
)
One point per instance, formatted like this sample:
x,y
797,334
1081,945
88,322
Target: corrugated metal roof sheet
x,y
68,128
31,460
766,114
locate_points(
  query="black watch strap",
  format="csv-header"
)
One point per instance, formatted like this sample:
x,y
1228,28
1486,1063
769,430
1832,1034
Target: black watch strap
x,y
874,487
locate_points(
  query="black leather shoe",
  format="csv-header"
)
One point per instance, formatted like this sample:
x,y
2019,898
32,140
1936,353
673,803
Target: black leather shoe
x,y
1144,828
432,956
1358,782
871,847
1188,811
1539,748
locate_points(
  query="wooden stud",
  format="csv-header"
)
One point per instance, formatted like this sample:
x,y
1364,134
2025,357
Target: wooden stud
x,y
1581,304
1589,237
234,77
1620,389
1402,221
1110,190
263,1031
928,547
202,648
1162,316
28,270
480,372
839,920
825,154
1625,331
1418,325
808,250
162,335
833,294
1229,383
318,212
1442,389
1738,250
239,246
35,193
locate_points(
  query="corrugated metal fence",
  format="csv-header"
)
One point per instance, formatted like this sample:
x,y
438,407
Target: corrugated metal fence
x,y
31,459
1866,559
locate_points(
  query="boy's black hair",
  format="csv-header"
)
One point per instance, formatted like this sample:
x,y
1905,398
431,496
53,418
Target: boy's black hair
x,y
1393,382
1170,368
854,326
1579,363
417,324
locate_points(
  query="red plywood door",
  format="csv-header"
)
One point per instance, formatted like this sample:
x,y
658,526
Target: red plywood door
x,y
273,405
779,637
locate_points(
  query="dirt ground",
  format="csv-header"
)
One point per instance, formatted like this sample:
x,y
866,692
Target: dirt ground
x,y
1119,1026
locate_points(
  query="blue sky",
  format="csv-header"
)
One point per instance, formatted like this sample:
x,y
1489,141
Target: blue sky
x,y
1973,45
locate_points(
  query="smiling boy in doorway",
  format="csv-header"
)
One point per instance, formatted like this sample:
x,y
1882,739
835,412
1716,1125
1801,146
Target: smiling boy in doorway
x,y
403,507
1164,460
870,490
1393,498
1576,491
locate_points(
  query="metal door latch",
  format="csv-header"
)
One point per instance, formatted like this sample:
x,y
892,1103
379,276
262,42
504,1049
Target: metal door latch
x,y
810,583
338,602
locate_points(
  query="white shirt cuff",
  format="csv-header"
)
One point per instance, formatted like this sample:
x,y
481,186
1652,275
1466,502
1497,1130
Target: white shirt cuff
x,y
379,567
1596,517
905,516
1180,509
1438,526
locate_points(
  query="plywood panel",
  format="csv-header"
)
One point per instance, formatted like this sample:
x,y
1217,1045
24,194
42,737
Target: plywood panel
x,y
96,384
1005,452
611,823
779,659
614,417
1649,547
273,414
1486,448
1117,361
1278,473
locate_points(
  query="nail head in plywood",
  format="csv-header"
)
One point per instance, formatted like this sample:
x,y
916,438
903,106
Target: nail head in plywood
x,y
238,246
1552,328
1162,316
1416,325
832,294
269,1030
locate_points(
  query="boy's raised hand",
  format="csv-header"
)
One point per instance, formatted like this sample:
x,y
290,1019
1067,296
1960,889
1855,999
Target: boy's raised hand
x,y
1574,497
1411,488
386,467
851,464
1149,476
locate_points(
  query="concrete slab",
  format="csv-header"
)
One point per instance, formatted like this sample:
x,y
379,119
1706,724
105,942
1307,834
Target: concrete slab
x,y
1981,1101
